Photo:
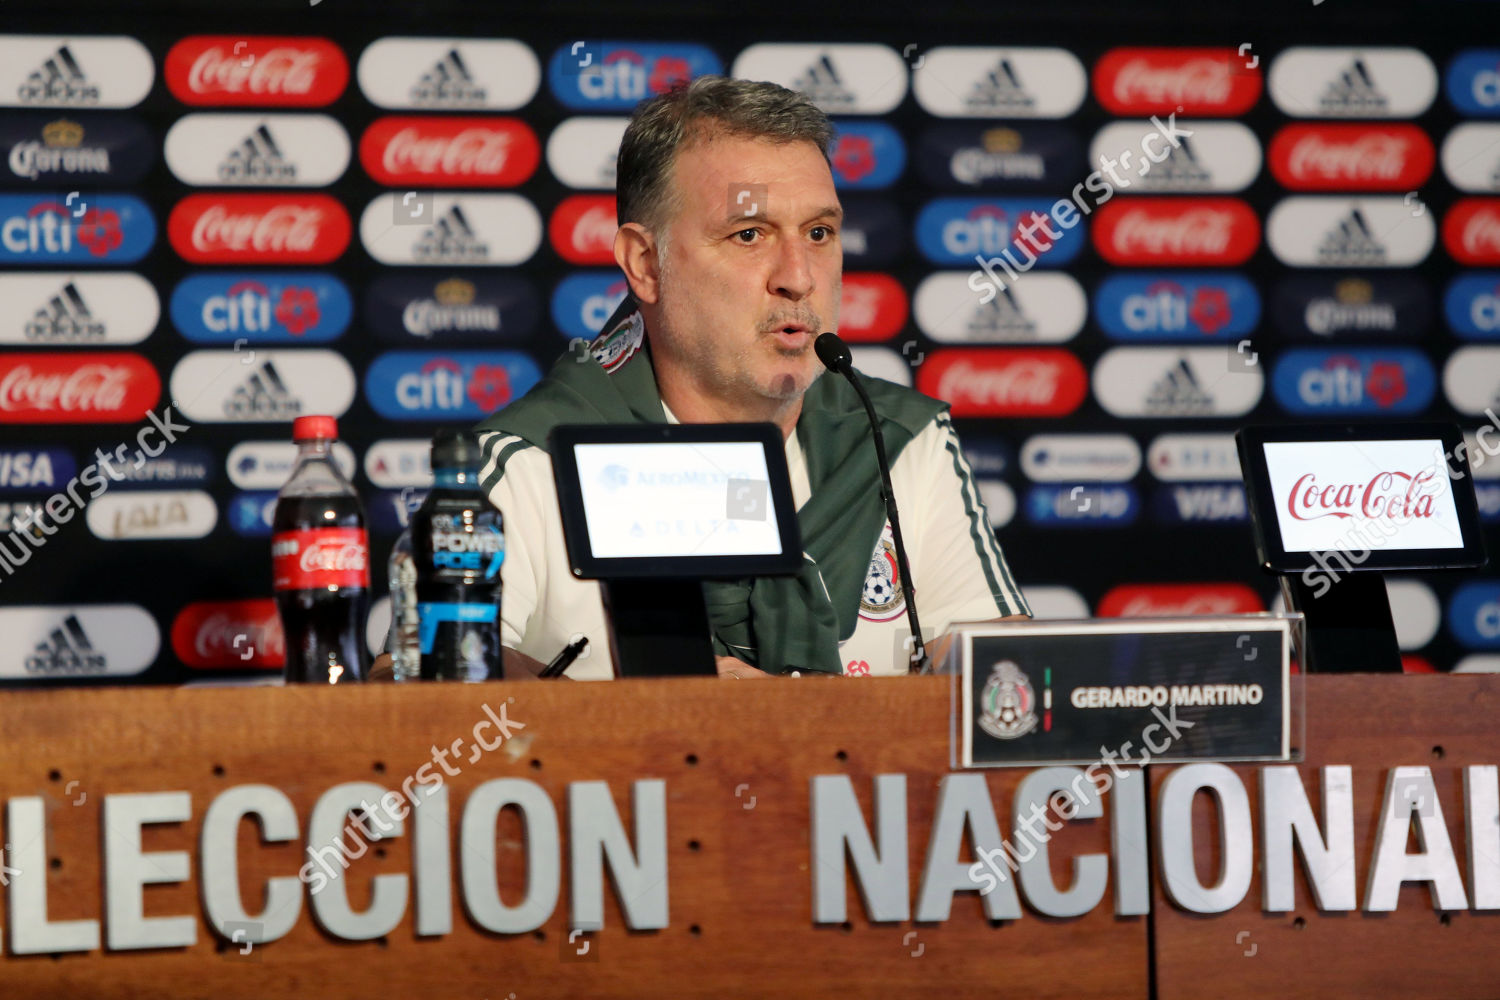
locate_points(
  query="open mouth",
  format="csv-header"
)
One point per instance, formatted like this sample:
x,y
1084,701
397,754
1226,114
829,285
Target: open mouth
x,y
794,335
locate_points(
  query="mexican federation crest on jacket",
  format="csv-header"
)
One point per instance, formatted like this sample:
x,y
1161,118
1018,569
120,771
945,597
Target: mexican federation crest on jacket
x,y
1007,705
882,599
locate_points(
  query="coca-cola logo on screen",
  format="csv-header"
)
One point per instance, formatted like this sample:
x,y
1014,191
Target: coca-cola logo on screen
x,y
583,227
1471,231
1176,231
76,388
1004,382
229,635
1143,81
259,228
450,152
1316,157
260,70
1389,494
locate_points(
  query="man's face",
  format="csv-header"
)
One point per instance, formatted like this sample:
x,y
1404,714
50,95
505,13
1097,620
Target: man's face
x,y
752,269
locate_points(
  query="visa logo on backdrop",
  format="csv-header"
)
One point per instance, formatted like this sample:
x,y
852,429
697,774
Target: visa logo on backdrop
x,y
1195,503
582,302
616,76
1308,380
1177,306
263,307
953,231
414,385
35,468
74,228
867,155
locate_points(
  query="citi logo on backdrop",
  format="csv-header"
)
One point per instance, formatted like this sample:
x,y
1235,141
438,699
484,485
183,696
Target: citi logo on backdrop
x,y
592,75
413,385
261,306
74,228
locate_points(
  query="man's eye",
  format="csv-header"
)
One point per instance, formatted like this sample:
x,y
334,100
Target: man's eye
x,y
747,235
821,233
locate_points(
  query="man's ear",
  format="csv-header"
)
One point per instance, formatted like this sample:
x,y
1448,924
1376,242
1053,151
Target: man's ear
x,y
636,253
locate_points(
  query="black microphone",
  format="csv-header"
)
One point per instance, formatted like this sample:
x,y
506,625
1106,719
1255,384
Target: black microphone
x,y
834,354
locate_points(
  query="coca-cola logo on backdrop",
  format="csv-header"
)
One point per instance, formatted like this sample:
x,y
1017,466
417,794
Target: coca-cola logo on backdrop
x,y
1154,600
230,635
583,227
260,70
76,388
1471,231
259,228
872,307
1338,157
1143,81
450,152
1005,382
1176,231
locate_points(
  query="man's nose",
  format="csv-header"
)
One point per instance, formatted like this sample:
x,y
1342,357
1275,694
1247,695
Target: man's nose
x,y
792,274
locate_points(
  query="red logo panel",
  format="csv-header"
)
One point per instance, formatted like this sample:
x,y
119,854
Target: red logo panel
x,y
1144,81
259,228
1005,382
1147,600
873,308
320,557
450,152
76,388
1471,231
1154,232
583,229
1313,157
230,635
258,70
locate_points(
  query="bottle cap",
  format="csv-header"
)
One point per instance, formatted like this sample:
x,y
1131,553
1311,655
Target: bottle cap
x,y
454,449
317,428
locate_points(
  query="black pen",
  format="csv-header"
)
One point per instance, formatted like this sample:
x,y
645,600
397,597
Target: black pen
x,y
564,660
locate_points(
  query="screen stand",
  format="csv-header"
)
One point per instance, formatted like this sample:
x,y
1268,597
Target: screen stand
x,y
1349,628
658,628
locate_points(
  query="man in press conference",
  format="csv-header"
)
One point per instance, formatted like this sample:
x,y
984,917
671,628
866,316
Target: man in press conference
x,y
730,295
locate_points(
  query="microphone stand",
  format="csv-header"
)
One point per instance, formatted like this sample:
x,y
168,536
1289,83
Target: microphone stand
x,y
836,357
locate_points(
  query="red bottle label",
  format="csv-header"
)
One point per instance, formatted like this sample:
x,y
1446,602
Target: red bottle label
x,y
320,557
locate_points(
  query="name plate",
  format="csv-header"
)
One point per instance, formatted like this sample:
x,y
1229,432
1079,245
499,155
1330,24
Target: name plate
x,y
1123,692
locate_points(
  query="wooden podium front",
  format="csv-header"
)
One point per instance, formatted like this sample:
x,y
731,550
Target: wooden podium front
x,y
737,762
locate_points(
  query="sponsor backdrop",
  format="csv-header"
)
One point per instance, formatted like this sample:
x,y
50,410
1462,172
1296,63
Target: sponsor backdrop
x,y
1108,237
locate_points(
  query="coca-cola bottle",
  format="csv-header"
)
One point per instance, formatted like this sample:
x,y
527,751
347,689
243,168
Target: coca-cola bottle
x,y
320,556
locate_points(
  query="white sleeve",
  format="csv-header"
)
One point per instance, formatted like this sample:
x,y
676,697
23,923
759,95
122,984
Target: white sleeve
x,y
958,570
522,574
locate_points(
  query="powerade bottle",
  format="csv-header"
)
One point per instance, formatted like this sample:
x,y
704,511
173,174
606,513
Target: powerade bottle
x,y
458,545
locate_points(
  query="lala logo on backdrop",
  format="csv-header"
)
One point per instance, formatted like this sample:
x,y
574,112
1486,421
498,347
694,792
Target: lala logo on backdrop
x,y
260,70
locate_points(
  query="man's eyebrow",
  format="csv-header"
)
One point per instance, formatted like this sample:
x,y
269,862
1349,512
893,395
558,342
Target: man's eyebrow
x,y
834,212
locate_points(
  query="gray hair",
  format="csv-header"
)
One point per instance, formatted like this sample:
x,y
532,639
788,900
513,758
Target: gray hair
x,y
709,105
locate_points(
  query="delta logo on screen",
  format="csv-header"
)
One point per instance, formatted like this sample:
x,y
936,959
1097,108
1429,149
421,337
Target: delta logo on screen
x,y
264,307
74,228
1340,157
866,155
1191,81
582,229
469,385
88,387
616,76
1176,232
259,228
1177,306
468,151
256,70
952,232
